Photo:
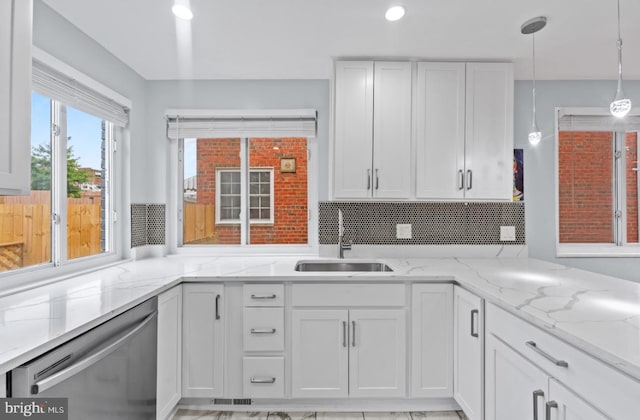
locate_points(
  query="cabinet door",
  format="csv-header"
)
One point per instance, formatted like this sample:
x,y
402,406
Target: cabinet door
x,y
392,130
353,150
468,338
514,387
169,366
489,131
319,353
15,96
440,121
569,405
377,356
432,340
202,340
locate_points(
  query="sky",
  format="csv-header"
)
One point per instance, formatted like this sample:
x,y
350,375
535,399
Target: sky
x,y
85,131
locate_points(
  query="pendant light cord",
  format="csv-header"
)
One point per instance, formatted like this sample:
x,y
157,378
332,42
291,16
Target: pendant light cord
x,y
533,96
619,47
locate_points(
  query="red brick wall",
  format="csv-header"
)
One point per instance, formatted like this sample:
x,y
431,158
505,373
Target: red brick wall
x,y
290,189
585,187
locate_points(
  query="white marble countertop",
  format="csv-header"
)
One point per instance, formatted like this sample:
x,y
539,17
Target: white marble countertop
x,y
598,314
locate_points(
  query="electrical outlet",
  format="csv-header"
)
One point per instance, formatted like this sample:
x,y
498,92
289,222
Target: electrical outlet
x,y
507,233
403,231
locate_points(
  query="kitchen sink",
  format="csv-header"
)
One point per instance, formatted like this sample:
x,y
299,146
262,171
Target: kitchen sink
x,y
342,266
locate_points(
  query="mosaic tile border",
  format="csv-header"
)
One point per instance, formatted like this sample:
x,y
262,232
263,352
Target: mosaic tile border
x,y
433,223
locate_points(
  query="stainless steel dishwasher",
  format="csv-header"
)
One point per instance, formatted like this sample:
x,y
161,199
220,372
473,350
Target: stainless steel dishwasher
x,y
107,373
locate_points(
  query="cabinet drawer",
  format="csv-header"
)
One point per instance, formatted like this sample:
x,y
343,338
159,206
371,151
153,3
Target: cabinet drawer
x,y
263,329
263,377
609,390
263,294
348,295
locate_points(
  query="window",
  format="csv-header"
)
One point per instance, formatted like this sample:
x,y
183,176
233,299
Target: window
x,y
597,185
260,192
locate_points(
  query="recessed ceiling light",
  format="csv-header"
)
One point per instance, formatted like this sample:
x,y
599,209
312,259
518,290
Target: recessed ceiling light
x,y
394,13
182,12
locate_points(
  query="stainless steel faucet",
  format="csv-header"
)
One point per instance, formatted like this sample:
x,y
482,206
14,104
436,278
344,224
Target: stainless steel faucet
x,y
342,246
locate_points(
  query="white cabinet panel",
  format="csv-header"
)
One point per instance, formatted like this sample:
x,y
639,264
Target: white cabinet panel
x,y
263,377
202,340
489,131
392,130
319,353
432,335
514,388
263,294
468,344
565,405
440,124
169,365
353,152
15,96
377,356
3,385
263,329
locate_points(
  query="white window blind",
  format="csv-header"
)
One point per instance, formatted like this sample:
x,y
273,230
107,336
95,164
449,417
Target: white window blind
x,y
56,85
241,123
580,122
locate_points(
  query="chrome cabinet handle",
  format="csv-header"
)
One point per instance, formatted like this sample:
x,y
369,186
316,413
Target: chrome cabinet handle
x,y
469,179
217,306
473,318
550,405
353,337
377,180
368,179
255,380
460,179
273,296
263,330
537,393
533,346
344,333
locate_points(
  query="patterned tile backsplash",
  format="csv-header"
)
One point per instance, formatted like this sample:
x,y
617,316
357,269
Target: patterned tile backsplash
x,y
374,223
147,224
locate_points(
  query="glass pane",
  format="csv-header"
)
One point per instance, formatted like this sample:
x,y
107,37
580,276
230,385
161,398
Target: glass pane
x,y
254,188
86,193
25,220
585,187
632,180
254,214
289,190
201,159
254,177
254,201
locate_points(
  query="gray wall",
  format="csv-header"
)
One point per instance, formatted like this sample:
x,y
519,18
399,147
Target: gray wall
x,y
230,94
539,165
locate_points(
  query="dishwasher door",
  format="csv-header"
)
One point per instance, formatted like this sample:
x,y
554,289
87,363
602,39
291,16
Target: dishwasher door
x,y
107,373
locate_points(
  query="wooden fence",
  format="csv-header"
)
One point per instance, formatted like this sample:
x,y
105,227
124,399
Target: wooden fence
x,y
199,223
25,233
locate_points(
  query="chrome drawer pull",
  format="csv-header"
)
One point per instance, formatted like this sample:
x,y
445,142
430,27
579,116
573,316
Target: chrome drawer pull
x,y
255,380
536,394
273,296
344,333
474,315
550,405
533,346
263,330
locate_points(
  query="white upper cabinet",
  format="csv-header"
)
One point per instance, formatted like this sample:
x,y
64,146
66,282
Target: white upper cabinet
x,y
15,96
372,148
464,120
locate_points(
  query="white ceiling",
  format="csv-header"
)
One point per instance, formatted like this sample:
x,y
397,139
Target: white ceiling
x,y
297,39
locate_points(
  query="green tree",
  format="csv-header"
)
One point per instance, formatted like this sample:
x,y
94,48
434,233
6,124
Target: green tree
x,y
41,170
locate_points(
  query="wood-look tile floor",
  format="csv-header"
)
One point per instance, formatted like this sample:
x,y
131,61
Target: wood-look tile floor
x,y
183,414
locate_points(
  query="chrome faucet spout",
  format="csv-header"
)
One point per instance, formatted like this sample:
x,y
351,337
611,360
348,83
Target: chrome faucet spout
x,y
342,245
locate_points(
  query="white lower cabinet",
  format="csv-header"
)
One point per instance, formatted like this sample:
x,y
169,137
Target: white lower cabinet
x,y
432,338
202,340
263,377
566,405
169,361
468,345
348,353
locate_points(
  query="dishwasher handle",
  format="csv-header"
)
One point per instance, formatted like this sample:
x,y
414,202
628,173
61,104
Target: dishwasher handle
x,y
91,359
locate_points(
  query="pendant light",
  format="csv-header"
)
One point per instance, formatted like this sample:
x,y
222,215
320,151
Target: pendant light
x,y
531,27
621,105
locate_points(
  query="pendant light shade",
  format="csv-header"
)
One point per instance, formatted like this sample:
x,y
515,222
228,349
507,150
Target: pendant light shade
x,y
621,105
531,27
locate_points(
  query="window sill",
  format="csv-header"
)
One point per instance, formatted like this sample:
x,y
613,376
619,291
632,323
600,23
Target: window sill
x,y
597,251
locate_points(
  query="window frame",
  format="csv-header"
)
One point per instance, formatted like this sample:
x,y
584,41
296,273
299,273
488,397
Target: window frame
x,y
618,248
218,206
60,267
